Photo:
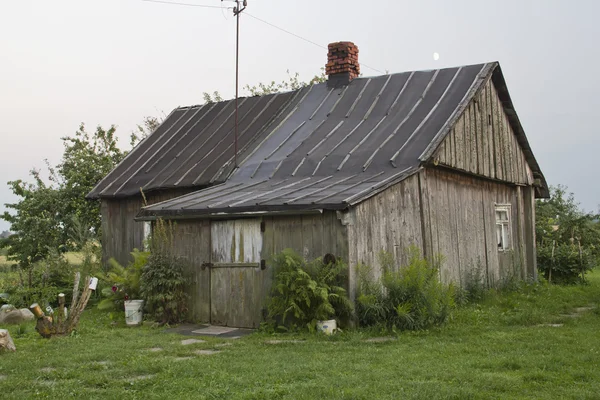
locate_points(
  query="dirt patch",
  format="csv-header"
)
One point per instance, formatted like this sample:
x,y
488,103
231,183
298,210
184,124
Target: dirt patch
x,y
47,370
380,339
139,378
206,352
277,341
187,342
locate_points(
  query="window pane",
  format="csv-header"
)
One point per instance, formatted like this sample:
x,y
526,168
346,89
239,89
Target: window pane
x,y
505,238
499,236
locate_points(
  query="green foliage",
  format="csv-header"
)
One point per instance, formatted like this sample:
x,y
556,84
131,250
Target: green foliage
x,y
304,293
568,239
293,82
409,298
565,263
163,280
122,283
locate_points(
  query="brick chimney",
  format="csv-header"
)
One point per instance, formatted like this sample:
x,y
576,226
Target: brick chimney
x,y
342,63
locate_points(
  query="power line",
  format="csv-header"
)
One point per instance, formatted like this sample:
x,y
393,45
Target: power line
x,y
286,31
174,3
260,20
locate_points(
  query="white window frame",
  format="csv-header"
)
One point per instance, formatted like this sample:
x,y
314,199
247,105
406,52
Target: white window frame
x,y
503,227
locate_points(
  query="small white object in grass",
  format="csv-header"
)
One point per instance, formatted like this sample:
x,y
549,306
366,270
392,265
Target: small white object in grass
x,y
436,56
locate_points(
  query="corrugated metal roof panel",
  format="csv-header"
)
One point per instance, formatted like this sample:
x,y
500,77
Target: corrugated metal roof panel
x,y
338,146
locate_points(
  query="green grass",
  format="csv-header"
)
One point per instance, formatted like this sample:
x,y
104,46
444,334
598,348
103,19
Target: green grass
x,y
496,349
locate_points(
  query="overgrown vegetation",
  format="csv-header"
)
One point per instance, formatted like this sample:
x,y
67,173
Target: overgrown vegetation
x,y
568,239
407,298
508,345
162,282
306,292
122,283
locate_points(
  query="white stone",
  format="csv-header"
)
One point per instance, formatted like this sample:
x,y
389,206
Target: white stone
x,y
6,342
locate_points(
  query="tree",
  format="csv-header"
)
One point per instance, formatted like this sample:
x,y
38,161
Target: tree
x,y
48,215
87,158
568,239
36,221
291,83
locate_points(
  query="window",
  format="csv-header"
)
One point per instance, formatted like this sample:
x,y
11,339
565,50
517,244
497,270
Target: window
x,y
503,227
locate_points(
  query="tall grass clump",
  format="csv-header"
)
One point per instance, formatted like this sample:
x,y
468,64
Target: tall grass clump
x,y
306,292
407,298
162,282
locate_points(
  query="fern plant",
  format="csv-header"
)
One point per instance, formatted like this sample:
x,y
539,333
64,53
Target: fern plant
x,y
304,293
122,283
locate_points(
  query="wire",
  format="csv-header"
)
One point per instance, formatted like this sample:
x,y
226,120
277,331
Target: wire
x,y
286,31
182,4
261,20
306,40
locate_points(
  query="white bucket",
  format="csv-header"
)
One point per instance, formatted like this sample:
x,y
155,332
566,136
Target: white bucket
x,y
133,312
327,327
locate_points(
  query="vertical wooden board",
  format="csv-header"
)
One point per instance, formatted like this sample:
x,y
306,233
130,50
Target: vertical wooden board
x,y
489,203
268,253
474,136
426,228
496,134
452,147
249,240
446,234
531,239
459,143
521,231
484,168
466,150
491,131
307,238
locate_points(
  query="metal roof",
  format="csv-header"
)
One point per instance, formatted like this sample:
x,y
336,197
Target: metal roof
x,y
193,147
334,147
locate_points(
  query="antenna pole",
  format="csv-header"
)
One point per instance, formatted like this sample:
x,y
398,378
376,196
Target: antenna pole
x,y
236,12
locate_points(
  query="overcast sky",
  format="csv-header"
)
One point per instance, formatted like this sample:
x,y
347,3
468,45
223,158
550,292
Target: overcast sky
x,y
104,62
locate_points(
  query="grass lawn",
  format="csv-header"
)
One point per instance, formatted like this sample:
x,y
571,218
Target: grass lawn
x,y
499,348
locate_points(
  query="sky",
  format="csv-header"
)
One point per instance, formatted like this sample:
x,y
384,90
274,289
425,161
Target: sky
x,y
104,62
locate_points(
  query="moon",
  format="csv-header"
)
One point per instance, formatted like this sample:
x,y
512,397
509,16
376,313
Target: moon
x,y
436,56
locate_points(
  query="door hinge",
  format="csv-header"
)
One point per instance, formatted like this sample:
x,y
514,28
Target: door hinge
x,y
206,265
263,264
262,226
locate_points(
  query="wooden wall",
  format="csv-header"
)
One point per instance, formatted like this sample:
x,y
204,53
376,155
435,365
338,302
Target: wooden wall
x,y
450,214
389,221
459,223
483,143
311,236
120,233
192,243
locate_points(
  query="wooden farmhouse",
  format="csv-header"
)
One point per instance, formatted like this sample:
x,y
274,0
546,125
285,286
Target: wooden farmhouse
x,y
436,159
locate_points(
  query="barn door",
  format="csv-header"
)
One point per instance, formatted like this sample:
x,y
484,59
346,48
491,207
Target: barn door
x,y
236,278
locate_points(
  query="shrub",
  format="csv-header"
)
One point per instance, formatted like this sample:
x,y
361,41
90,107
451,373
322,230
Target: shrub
x,y
122,283
163,281
409,298
304,293
564,263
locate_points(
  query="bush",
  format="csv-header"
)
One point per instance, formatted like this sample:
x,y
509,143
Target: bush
x,y
564,263
409,298
162,282
304,293
122,283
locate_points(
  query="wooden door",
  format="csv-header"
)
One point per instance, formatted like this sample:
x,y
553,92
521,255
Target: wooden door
x,y
236,278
